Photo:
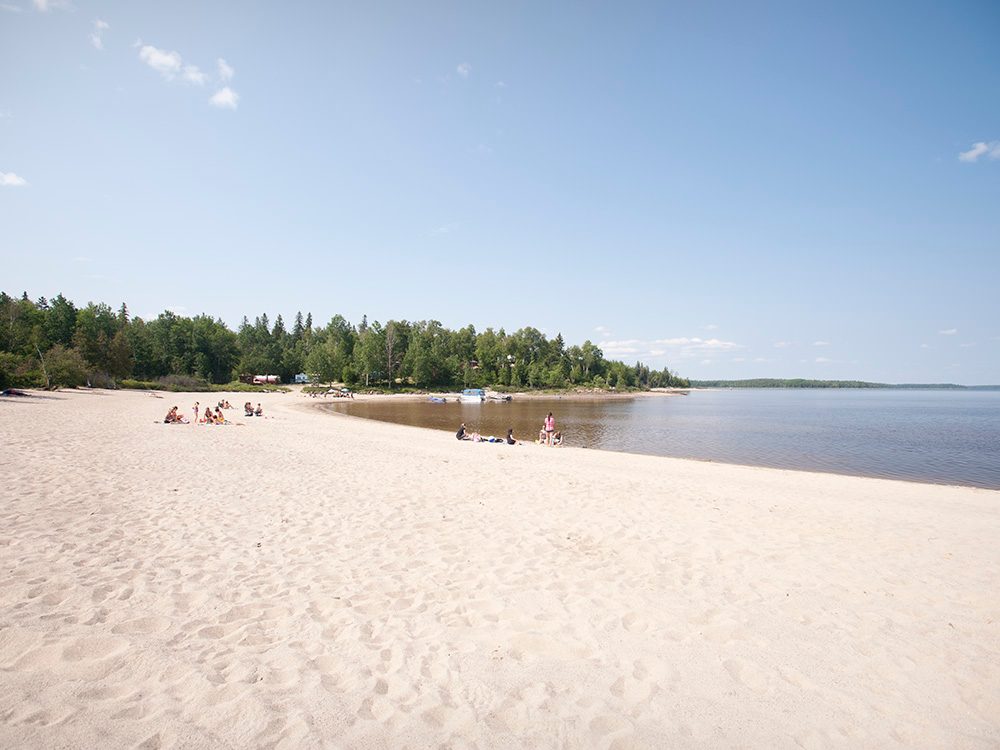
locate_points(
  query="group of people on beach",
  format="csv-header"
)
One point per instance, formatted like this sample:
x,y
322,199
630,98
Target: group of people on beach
x,y
546,436
209,416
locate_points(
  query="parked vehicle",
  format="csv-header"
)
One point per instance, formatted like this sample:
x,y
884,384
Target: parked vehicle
x,y
472,396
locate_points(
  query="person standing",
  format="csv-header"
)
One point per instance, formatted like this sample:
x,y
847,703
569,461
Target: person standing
x,y
195,413
550,428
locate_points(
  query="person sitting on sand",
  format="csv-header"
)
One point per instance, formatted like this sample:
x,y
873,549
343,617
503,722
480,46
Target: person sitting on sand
x,y
510,436
259,411
541,435
557,439
247,409
173,417
460,435
219,418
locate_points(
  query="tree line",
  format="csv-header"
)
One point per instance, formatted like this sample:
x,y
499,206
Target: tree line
x,y
52,342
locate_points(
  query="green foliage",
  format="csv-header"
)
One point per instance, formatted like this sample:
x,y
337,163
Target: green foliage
x,y
99,345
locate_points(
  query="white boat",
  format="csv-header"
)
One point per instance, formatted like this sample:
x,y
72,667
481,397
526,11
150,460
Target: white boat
x,y
472,396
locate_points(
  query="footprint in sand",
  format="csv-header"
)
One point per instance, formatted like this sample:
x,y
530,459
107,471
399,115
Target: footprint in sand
x,y
142,625
746,674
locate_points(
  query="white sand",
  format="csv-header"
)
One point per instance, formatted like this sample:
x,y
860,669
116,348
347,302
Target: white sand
x,y
310,580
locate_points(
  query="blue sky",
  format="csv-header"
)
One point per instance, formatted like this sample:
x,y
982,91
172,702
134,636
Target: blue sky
x,y
784,190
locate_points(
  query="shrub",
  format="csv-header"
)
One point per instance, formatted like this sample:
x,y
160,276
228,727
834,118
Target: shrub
x,y
65,367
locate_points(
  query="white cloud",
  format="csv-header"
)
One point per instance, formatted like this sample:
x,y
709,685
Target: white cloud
x,y
193,75
681,347
710,327
226,71
168,64
700,344
602,330
782,344
445,229
948,332
925,346
225,98
739,359
968,344
761,359
97,37
11,8
821,343
500,85
9,179
989,149
822,360
464,69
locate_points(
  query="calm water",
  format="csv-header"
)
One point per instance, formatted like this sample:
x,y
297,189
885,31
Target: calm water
x,y
950,437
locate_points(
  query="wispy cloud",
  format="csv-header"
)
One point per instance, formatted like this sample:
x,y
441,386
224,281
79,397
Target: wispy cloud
x,y
97,35
226,71
444,229
44,6
9,179
225,98
500,85
821,343
602,330
680,347
710,327
782,344
968,344
171,65
11,8
925,346
823,360
193,75
167,64
464,69
948,332
989,149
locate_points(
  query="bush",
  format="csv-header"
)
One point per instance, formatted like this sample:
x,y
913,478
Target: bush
x,y
20,371
179,383
65,367
187,384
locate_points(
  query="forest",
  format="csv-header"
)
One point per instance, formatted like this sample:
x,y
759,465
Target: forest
x,y
48,343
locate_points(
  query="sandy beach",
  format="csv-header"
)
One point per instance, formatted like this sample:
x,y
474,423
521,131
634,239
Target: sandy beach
x,y
308,580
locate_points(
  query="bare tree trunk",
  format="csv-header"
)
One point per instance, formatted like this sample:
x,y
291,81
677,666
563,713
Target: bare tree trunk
x,y
44,371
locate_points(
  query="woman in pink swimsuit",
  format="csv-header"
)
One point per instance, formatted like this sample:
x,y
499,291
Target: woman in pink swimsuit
x,y
550,428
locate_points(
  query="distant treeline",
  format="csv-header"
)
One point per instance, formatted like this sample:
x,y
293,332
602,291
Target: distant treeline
x,y
803,383
54,343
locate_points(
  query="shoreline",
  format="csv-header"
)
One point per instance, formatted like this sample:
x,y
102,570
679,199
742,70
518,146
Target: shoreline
x,y
296,580
324,407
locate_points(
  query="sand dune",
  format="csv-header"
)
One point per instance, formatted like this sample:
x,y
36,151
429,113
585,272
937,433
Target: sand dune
x,y
310,580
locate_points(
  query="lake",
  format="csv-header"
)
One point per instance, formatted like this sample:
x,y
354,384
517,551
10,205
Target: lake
x,y
948,437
